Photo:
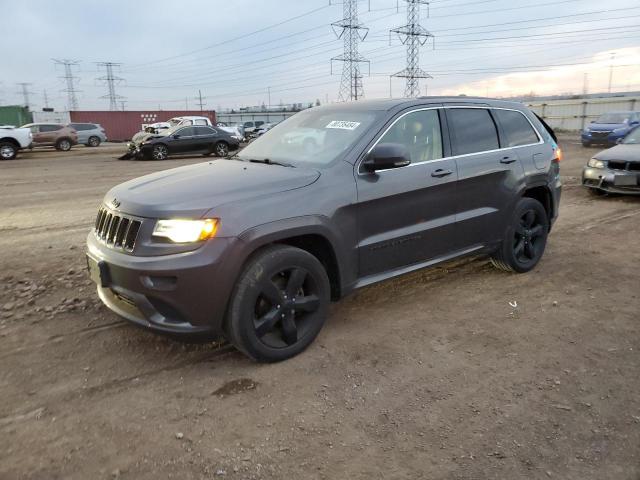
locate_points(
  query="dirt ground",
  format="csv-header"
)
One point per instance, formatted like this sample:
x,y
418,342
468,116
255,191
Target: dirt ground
x,y
457,372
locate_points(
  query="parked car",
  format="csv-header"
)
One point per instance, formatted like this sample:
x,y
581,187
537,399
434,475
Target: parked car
x,y
262,129
89,134
62,137
249,127
189,120
609,128
254,247
617,169
12,140
235,131
182,140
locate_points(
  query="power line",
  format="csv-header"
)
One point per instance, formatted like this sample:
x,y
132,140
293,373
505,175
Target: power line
x,y
24,90
110,80
70,80
352,32
413,35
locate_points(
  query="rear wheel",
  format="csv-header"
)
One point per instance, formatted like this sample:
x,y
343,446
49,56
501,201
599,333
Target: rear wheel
x,y
525,239
63,145
93,141
279,304
8,151
160,152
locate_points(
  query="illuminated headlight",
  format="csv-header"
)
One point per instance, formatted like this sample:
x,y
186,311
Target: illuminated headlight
x,y
186,231
595,163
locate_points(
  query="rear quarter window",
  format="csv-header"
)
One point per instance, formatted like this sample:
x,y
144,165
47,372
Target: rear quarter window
x,y
517,129
473,130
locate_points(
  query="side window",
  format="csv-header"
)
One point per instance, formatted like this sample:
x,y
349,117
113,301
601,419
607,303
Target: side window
x,y
516,128
420,132
200,122
204,131
34,128
186,132
473,130
50,128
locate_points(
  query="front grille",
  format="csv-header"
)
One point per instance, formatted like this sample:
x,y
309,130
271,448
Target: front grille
x,y
617,165
117,230
627,166
600,134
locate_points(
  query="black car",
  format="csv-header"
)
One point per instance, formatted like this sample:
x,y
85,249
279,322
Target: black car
x,y
255,246
186,140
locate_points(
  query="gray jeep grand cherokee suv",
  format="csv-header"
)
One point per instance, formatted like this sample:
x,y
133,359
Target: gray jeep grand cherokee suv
x,y
335,198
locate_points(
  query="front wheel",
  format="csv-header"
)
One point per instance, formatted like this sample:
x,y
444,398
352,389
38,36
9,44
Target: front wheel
x,y
525,239
93,141
63,145
8,151
586,144
279,304
221,149
160,152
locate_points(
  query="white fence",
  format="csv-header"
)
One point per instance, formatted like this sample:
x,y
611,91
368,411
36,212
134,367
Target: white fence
x,y
267,117
576,114
51,117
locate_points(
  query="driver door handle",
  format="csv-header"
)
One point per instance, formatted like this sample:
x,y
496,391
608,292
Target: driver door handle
x,y
441,173
507,160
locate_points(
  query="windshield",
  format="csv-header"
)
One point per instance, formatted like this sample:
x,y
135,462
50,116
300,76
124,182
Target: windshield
x,y
314,137
633,137
621,117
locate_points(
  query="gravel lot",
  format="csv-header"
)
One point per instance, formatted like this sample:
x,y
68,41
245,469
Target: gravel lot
x,y
433,375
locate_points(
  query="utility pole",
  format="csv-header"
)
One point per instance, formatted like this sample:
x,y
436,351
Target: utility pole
x,y
352,32
122,103
413,35
613,57
585,84
200,102
24,90
110,80
46,99
70,80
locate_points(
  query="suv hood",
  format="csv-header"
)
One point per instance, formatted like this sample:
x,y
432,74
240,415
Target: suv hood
x,y
624,153
193,190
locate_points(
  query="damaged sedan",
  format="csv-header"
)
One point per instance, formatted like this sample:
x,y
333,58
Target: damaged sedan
x,y
616,170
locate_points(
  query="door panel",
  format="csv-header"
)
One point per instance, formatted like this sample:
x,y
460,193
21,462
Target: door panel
x,y
407,215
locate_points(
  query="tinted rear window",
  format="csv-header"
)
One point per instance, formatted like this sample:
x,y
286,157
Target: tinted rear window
x,y
50,128
203,131
473,130
517,129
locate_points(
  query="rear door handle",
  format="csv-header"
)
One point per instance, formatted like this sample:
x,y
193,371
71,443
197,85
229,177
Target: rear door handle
x,y
507,160
441,173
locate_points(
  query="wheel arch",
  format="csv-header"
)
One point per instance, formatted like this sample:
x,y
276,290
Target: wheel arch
x,y
541,193
10,140
313,237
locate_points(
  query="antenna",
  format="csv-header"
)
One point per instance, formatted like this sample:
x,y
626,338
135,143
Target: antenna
x,y
72,99
352,32
110,80
413,35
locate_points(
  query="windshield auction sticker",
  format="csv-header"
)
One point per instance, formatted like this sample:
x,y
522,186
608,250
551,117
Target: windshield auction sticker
x,y
343,124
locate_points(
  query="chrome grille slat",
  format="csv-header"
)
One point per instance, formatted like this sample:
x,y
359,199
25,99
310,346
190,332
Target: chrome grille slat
x,y
117,231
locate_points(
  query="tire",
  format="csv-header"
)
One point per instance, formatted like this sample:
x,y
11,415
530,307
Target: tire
x,y
279,304
8,151
586,144
160,152
221,149
64,145
93,141
596,192
525,239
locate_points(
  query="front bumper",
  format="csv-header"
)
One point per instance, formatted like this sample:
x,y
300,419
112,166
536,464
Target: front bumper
x,y
610,138
612,181
182,294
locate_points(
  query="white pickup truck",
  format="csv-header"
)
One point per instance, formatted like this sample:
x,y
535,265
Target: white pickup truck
x,y
13,139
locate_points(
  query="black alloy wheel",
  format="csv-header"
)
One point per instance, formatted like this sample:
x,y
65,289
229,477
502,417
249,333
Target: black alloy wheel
x,y
221,149
279,304
525,239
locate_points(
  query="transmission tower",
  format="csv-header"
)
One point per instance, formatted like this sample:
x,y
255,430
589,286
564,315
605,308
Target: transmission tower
x,y
110,80
24,91
70,81
413,35
352,32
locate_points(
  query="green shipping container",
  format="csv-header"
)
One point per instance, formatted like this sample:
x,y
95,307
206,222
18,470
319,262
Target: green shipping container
x,y
15,115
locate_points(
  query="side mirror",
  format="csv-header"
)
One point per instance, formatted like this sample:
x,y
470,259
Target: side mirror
x,y
387,155
176,136
634,123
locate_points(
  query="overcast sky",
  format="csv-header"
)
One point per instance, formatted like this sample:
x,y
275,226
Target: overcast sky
x,y
234,50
